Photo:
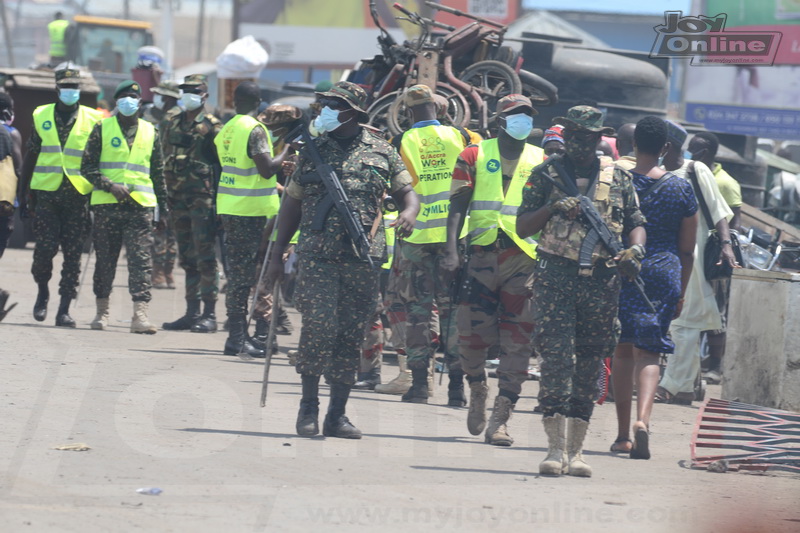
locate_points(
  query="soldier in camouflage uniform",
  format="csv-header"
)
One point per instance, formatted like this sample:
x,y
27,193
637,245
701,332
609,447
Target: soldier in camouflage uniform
x,y
128,185
191,170
165,248
51,172
333,284
575,311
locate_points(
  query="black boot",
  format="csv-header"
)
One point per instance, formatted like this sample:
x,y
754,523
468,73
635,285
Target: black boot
x,y
262,344
418,393
63,320
308,416
185,322
207,323
262,330
40,307
284,325
238,341
455,389
336,424
3,300
368,380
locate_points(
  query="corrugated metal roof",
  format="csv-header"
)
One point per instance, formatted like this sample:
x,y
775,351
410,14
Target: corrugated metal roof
x,y
547,23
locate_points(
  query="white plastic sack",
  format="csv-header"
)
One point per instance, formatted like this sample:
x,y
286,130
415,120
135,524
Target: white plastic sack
x,y
243,58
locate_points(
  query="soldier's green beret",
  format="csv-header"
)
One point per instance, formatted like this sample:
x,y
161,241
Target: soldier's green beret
x,y
128,86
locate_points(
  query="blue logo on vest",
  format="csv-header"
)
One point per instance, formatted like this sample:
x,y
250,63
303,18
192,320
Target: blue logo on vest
x,y
493,165
47,125
116,142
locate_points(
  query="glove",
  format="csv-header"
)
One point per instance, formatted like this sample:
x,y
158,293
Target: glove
x,y
629,261
565,205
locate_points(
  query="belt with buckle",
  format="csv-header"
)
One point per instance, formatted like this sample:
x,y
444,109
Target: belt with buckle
x,y
601,266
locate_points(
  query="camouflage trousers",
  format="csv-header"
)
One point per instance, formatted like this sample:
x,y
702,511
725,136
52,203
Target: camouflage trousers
x,y
195,228
331,299
496,310
422,283
242,238
372,347
395,310
576,327
115,224
165,248
61,219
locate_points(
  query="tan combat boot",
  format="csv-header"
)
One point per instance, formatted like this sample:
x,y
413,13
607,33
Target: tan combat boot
x,y
101,319
496,430
157,276
555,463
476,417
401,383
168,277
576,433
139,322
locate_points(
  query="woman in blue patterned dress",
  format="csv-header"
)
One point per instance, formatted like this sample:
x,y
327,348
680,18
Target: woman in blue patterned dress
x,y
669,204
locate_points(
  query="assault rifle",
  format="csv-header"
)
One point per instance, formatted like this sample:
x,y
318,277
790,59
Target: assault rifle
x,y
598,230
336,197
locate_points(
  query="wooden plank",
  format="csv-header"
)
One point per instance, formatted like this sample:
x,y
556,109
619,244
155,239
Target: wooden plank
x,y
753,216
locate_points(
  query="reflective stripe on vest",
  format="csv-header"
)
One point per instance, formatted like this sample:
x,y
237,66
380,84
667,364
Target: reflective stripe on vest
x,y
242,191
127,166
53,162
489,209
431,152
56,30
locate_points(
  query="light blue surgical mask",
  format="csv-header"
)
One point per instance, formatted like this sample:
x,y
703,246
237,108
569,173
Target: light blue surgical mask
x,y
69,96
687,154
158,101
191,101
128,105
328,120
519,126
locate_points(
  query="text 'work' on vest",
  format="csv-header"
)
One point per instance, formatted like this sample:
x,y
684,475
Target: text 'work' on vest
x,y
436,209
227,180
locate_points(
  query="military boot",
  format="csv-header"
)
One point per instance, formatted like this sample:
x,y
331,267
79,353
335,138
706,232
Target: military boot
x,y
261,330
207,323
308,417
555,463
401,383
476,417
238,341
284,325
168,277
140,323
188,320
40,306
368,380
496,429
336,424
418,393
3,301
63,320
101,318
455,389
576,433
157,276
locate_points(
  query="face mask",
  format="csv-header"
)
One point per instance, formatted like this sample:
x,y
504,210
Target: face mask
x,y
191,101
158,101
579,148
660,160
519,126
128,106
687,154
328,120
69,96
7,117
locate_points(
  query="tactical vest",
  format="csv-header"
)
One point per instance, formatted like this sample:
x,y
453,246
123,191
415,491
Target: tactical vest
x,y
563,237
242,191
53,162
432,152
489,209
57,29
127,166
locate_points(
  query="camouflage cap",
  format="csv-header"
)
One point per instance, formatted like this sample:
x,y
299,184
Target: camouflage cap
x,y
128,86
278,114
194,80
585,117
349,92
418,95
68,76
514,101
167,88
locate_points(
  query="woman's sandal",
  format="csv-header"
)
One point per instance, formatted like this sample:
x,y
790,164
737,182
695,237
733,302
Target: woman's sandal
x,y
618,448
641,444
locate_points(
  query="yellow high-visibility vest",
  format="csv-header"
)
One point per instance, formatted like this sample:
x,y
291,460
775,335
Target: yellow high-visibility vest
x,y
242,191
127,166
388,219
53,161
57,29
489,208
430,153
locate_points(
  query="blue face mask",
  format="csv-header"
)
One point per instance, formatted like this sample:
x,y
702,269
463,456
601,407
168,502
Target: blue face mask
x,y
519,126
128,105
328,120
687,154
69,96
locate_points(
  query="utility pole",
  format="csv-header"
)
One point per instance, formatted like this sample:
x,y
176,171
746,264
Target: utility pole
x,y
7,34
200,23
168,44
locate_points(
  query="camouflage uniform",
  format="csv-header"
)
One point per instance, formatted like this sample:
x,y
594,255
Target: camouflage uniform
x,y
125,222
191,169
332,283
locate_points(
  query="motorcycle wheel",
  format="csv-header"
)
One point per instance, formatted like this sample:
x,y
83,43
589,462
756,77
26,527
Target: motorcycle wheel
x,y
458,112
539,90
493,80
